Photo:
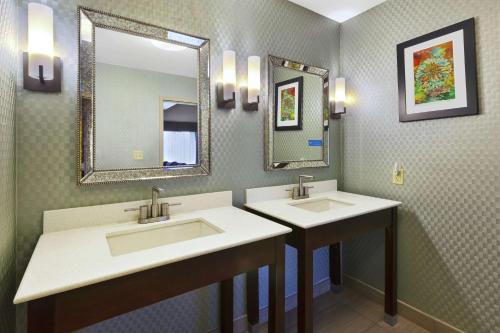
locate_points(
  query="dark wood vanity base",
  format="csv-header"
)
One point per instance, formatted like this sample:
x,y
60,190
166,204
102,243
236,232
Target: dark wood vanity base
x,y
307,240
78,308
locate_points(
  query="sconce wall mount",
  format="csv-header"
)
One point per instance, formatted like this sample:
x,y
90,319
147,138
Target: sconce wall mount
x,y
221,101
40,83
249,106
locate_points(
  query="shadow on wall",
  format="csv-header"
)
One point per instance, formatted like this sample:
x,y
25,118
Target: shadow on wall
x,y
363,259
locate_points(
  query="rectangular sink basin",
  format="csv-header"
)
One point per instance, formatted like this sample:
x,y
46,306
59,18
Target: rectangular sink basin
x,y
321,205
123,242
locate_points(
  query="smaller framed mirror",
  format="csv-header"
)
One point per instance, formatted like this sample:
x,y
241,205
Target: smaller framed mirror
x,y
143,101
297,120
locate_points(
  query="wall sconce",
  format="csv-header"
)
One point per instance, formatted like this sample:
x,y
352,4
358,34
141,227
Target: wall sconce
x,y
337,106
41,70
251,93
226,90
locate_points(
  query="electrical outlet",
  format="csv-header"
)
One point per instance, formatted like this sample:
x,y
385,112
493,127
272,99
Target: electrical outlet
x,y
138,155
398,176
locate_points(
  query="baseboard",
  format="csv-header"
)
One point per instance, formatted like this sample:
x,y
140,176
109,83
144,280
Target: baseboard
x,y
240,324
417,316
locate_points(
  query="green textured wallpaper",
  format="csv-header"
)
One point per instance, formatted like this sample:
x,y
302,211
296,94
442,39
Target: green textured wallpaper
x,y
46,131
8,60
449,229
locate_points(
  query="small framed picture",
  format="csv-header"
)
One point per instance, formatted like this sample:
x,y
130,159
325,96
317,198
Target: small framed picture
x,y
288,104
437,74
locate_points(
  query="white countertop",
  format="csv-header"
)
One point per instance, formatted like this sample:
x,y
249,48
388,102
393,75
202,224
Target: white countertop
x,y
73,258
281,209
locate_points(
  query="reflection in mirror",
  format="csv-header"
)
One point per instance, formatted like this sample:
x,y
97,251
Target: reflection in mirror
x,y
179,133
132,73
144,101
297,121
292,143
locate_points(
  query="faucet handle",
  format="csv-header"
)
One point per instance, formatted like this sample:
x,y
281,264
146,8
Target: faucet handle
x,y
306,190
143,211
306,177
165,208
158,189
294,191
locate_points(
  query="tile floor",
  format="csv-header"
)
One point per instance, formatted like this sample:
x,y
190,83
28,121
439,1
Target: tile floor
x,y
348,312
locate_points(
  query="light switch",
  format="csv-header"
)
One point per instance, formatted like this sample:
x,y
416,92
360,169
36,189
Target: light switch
x,y
138,155
398,175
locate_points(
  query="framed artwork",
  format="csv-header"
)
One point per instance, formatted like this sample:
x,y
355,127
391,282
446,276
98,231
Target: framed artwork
x,y
437,74
288,104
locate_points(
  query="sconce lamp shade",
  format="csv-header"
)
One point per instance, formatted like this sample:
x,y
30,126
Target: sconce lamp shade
x,y
40,40
340,95
229,74
253,79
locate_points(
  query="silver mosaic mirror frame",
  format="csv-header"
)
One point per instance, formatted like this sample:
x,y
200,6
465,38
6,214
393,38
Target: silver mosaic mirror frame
x,y
270,164
86,150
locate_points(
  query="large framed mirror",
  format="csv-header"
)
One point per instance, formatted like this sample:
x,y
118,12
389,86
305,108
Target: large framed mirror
x,y
143,101
296,124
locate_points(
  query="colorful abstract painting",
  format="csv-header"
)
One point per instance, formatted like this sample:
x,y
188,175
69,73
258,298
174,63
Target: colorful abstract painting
x,y
437,74
288,106
434,73
287,111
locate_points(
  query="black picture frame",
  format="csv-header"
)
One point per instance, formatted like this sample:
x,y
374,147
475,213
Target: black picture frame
x,y
472,108
300,81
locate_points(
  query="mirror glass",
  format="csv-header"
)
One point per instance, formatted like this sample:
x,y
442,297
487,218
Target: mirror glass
x,y
298,115
135,76
144,101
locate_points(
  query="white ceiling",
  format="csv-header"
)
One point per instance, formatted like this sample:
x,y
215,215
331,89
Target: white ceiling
x,y
338,10
132,51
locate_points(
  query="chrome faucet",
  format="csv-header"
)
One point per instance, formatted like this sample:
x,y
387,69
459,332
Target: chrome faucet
x,y
301,191
155,193
155,212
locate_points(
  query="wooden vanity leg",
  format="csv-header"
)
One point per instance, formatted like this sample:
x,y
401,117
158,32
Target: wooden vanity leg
x,y
41,315
335,267
391,245
305,289
253,298
276,323
226,306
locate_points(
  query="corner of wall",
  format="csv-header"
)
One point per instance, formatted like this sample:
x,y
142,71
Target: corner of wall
x,y
8,77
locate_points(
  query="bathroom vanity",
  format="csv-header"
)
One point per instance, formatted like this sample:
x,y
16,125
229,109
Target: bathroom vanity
x,y
327,217
94,263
